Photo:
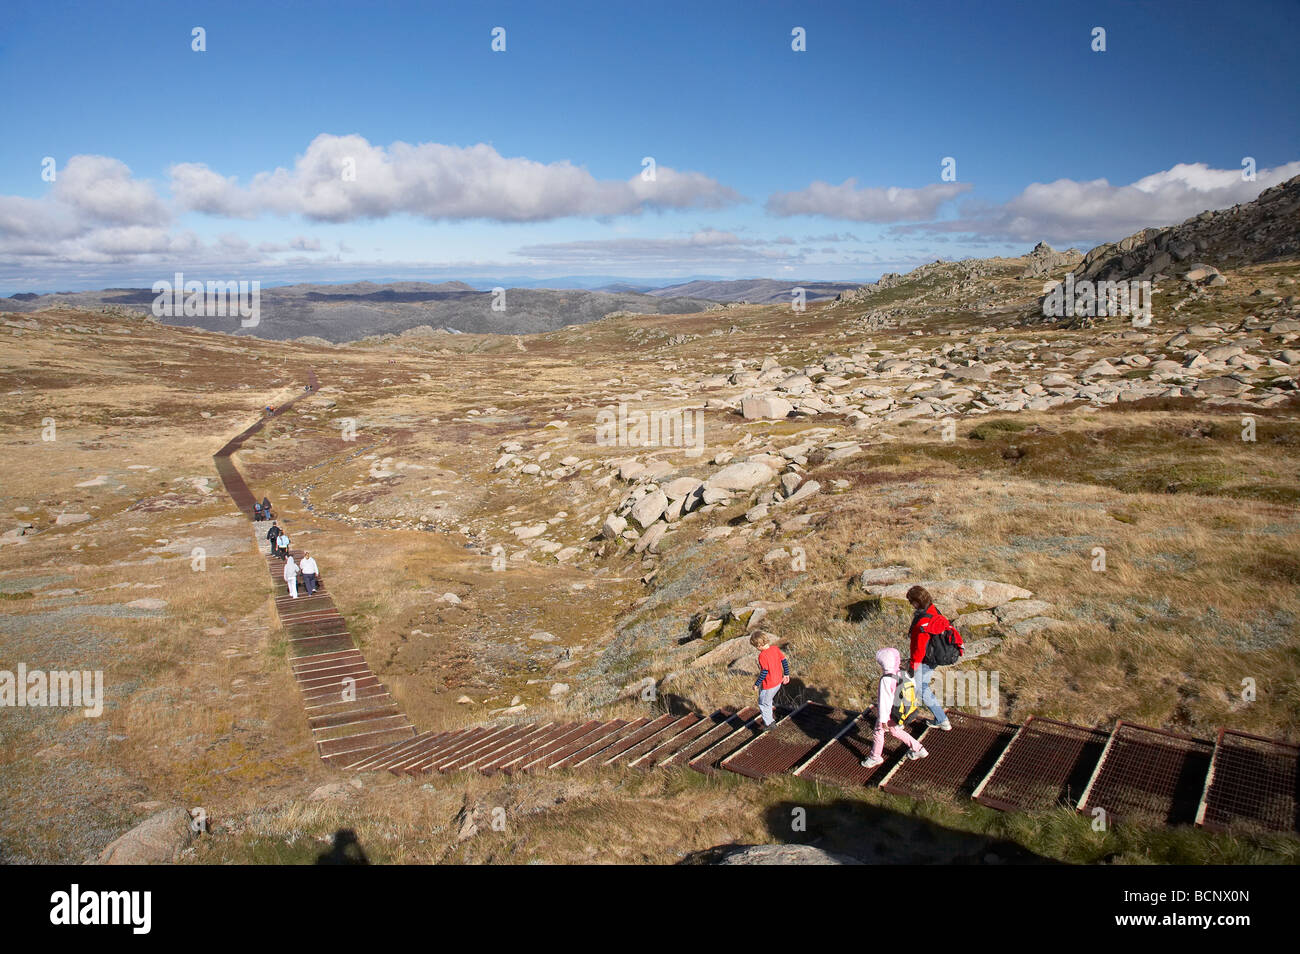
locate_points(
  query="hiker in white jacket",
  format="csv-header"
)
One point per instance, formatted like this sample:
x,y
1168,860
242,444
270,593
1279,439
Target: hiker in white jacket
x,y
291,576
309,572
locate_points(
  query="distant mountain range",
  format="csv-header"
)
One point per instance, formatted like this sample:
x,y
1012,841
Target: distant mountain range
x,y
757,291
348,312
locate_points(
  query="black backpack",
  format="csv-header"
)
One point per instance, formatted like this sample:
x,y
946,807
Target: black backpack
x,y
943,648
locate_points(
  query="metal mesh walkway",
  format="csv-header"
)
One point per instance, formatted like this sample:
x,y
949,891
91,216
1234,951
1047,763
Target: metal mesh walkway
x,y
1150,775
1253,782
1046,763
958,759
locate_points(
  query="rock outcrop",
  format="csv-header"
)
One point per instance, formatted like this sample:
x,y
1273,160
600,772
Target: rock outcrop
x,y
1260,231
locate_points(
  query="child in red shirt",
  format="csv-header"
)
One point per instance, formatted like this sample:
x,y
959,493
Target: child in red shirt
x,y
768,683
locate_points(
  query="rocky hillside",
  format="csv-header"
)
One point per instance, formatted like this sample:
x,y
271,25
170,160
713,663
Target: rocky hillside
x,y
757,291
1265,230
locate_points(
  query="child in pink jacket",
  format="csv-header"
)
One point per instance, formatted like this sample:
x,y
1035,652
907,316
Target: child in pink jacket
x,y
889,660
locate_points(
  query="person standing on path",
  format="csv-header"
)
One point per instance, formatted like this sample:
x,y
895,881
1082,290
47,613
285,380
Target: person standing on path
x,y
291,576
309,572
272,535
282,544
773,673
927,629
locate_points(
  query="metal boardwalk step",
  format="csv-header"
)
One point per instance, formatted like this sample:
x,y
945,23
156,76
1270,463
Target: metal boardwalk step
x,y
789,742
839,761
958,759
1046,763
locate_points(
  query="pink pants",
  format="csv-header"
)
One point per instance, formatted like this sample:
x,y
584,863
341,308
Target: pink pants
x,y
897,731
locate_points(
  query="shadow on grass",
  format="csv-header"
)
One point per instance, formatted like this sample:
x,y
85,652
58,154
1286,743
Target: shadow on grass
x,y
874,834
345,850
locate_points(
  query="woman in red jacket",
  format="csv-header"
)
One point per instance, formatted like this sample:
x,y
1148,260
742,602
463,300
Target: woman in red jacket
x,y
927,621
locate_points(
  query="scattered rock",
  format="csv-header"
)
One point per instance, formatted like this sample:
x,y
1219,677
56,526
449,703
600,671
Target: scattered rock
x,y
884,575
650,539
742,475
783,855
765,408
975,648
725,653
157,840
1018,610
956,594
335,791
649,508
1036,624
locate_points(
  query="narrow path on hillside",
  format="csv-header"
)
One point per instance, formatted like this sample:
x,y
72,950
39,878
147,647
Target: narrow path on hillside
x,y
350,713
230,475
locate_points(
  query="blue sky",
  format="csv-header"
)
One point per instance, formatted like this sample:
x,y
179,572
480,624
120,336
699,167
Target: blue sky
x,y
817,164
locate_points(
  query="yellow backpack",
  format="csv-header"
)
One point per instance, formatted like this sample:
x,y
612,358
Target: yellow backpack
x,y
904,698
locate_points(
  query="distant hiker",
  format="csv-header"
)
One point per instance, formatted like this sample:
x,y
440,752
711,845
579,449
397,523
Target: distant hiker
x,y
932,643
893,705
282,544
266,507
273,535
769,682
309,572
291,576
257,513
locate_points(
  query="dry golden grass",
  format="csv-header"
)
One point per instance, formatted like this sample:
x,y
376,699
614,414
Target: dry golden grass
x,y
1199,591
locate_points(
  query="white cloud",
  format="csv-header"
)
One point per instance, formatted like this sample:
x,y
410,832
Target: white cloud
x,y
21,217
198,188
94,211
1095,211
346,178
833,237
705,247
102,190
869,204
133,240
